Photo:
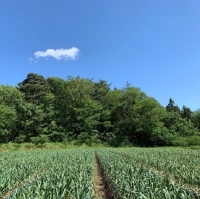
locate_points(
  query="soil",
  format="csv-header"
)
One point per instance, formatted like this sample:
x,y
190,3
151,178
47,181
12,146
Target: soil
x,y
101,182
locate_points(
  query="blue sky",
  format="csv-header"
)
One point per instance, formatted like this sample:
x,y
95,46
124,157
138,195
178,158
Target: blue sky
x,y
154,45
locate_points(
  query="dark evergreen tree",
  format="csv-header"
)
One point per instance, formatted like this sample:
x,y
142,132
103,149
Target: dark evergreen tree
x,y
101,89
186,113
195,118
172,107
35,87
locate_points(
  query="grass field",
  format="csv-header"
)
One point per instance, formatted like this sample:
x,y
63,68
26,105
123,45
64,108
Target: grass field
x,y
144,173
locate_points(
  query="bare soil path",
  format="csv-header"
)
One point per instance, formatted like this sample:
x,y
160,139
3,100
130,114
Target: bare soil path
x,y
101,184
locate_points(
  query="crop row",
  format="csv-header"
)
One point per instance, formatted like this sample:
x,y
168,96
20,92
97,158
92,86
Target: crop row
x,y
131,172
180,164
62,174
129,179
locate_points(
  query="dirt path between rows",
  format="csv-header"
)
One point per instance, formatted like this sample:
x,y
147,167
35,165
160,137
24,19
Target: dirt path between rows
x,y
101,184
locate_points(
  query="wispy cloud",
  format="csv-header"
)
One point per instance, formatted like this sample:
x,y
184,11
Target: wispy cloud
x,y
61,53
32,61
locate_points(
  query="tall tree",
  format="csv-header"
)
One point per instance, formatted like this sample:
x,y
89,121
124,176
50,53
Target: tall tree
x,y
172,107
195,118
37,113
186,113
8,117
75,110
120,103
101,89
179,126
10,101
35,87
150,129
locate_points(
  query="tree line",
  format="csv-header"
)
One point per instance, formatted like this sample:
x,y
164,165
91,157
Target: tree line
x,y
82,110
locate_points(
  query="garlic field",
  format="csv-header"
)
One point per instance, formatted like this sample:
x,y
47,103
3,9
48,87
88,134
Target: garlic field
x,y
143,173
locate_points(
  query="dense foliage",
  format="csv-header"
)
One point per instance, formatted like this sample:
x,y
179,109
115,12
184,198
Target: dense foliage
x,y
54,109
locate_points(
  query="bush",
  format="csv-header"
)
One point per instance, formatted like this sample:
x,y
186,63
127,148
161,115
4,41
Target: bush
x,y
195,147
187,141
20,139
40,140
180,141
194,141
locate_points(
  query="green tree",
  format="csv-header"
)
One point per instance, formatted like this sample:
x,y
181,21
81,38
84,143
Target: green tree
x,y
150,129
120,103
37,114
178,122
186,113
60,104
75,111
101,89
10,101
35,87
10,96
172,107
178,126
195,118
8,117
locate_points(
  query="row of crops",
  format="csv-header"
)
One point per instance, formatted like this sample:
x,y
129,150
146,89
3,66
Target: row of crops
x,y
47,174
180,164
130,172
131,178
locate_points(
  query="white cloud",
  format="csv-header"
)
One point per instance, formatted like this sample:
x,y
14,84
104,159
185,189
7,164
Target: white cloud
x,y
59,53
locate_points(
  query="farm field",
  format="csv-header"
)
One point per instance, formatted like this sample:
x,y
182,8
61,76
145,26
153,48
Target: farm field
x,y
144,173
